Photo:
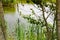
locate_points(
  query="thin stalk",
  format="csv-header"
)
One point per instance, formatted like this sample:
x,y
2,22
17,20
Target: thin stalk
x,y
38,38
53,27
46,24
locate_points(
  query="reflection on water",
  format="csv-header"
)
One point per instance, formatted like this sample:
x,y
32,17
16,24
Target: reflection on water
x,y
9,9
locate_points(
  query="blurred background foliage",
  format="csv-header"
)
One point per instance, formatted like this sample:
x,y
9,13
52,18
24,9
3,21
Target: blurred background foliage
x,y
37,28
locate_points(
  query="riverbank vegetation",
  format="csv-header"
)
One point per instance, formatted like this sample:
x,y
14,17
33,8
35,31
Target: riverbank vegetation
x,y
38,26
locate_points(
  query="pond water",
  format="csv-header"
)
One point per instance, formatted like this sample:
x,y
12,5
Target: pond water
x,y
12,17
